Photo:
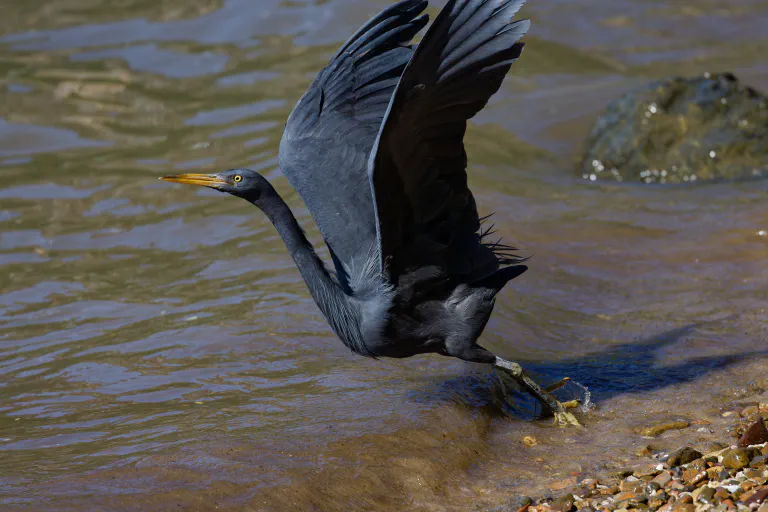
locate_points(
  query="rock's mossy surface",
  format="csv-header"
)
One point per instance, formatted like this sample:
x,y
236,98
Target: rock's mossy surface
x,y
681,130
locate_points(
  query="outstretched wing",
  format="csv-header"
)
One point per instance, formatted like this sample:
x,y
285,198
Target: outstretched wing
x,y
426,215
329,135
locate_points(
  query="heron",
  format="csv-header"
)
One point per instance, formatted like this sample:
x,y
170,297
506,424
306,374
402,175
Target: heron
x,y
375,149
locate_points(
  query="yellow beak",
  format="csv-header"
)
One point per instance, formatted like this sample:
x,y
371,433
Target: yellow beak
x,y
202,180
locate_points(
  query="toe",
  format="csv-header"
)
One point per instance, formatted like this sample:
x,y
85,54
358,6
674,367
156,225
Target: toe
x,y
566,419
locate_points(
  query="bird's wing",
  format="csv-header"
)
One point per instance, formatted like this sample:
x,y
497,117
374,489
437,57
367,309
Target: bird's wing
x,y
329,135
426,215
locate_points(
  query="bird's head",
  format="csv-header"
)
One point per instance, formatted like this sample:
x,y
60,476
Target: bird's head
x,y
244,183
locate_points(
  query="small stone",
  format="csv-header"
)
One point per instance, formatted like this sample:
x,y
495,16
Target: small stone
x,y
564,484
520,504
563,504
663,478
645,451
706,495
685,498
757,498
756,433
750,410
737,458
582,493
713,472
631,485
676,485
695,494
630,499
683,456
759,461
625,495
647,470
694,476
660,428
684,507
763,507
721,493
530,441
729,503
747,485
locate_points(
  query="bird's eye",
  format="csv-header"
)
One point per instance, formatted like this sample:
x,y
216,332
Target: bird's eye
x,y
238,178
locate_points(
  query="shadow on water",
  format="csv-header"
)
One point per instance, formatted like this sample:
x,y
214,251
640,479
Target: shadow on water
x,y
627,368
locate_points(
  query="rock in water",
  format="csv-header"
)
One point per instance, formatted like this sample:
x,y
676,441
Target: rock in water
x,y
681,130
683,456
736,459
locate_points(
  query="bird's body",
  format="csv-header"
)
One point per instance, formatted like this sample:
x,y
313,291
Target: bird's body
x,y
375,149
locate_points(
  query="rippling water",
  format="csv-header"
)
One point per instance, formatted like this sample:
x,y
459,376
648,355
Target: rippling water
x,y
158,348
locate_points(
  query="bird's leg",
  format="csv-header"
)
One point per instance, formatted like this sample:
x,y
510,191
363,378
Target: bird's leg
x,y
459,347
558,410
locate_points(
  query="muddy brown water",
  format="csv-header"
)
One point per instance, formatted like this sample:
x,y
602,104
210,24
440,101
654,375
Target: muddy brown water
x,y
157,347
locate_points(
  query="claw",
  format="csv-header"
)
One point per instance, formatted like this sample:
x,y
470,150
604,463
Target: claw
x,y
571,404
564,418
557,385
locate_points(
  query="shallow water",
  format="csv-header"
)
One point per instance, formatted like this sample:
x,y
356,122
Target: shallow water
x,y
158,348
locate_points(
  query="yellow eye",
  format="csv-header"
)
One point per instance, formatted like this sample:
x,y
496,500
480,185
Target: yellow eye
x,y
238,178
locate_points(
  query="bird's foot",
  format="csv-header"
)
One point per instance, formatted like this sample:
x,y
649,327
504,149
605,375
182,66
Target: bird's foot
x,y
566,419
563,417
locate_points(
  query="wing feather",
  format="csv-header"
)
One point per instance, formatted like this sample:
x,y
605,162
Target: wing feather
x,y
425,213
329,135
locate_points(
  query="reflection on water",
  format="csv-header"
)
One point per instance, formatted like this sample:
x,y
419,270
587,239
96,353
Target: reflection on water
x,y
157,345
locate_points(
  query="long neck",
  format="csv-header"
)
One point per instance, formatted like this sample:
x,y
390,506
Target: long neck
x,y
339,308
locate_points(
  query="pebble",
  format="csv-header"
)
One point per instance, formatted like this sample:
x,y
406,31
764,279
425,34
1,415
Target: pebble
x,y
660,428
663,478
564,504
693,476
683,456
520,504
736,459
564,484
756,433
634,485
728,479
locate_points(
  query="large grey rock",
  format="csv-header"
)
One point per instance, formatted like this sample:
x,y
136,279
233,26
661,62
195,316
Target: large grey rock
x,y
681,130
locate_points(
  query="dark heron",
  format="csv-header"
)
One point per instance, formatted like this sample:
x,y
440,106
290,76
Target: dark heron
x,y
375,149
